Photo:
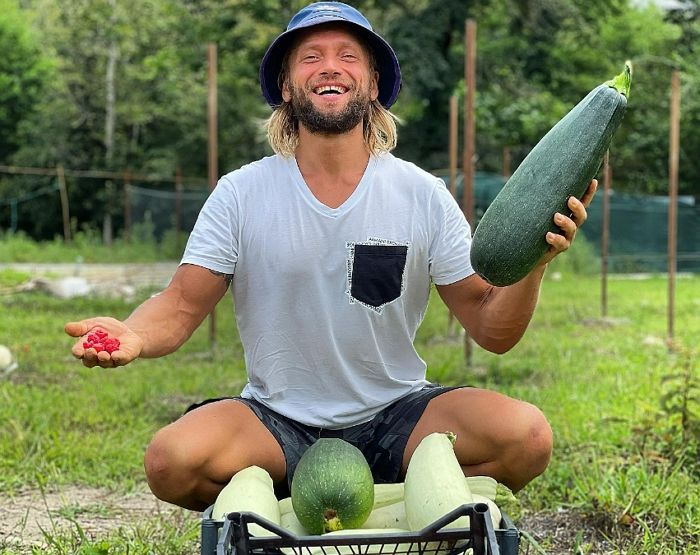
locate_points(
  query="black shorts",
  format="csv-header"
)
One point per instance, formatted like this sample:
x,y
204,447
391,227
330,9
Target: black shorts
x,y
382,440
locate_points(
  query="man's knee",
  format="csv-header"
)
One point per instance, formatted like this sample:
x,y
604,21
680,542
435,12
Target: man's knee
x,y
166,466
537,439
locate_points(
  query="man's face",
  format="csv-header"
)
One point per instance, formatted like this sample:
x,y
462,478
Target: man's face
x,y
329,83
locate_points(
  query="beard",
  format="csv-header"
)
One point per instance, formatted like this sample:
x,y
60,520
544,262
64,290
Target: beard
x,y
329,123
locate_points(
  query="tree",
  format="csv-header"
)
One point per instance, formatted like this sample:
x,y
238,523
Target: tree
x,y
128,82
124,97
128,50
537,59
22,74
639,152
687,18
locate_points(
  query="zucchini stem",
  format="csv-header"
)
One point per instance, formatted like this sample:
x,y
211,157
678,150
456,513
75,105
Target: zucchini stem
x,y
331,521
622,82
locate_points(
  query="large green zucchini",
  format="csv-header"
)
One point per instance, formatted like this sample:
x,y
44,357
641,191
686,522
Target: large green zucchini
x,y
509,240
332,487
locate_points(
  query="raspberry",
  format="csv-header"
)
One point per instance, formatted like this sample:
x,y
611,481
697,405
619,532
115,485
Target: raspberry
x,y
100,341
111,344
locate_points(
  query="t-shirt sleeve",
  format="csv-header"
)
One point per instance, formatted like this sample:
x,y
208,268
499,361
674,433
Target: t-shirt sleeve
x,y
451,241
213,243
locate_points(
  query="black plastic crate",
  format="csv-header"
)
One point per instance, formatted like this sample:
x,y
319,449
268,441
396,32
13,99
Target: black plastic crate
x,y
231,537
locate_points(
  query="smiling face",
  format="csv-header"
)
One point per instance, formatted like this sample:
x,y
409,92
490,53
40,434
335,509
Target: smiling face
x,y
329,81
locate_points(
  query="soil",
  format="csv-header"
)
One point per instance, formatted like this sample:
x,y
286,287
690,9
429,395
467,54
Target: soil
x,y
28,514
565,532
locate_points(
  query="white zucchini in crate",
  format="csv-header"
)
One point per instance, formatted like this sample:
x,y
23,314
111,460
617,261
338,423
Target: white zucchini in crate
x,y
356,549
388,516
435,483
387,494
286,505
404,548
483,485
290,522
250,490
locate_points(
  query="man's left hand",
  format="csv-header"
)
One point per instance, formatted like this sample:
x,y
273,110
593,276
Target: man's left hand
x,y
559,242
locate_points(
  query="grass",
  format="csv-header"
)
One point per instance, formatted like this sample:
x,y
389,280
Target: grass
x,y
87,246
621,460
10,277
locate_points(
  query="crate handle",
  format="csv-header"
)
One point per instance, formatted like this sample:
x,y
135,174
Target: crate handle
x,y
483,536
480,523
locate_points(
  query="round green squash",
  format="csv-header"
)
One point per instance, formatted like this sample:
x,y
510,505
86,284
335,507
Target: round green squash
x,y
332,487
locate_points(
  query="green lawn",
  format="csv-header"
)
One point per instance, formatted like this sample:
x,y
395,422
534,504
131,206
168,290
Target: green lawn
x,y
624,462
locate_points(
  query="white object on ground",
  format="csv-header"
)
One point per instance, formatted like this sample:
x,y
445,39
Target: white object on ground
x,y
67,287
7,360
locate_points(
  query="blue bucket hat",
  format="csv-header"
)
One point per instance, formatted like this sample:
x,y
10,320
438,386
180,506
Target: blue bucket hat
x,y
330,12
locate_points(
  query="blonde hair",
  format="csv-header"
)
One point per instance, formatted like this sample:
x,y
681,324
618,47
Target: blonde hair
x,y
379,126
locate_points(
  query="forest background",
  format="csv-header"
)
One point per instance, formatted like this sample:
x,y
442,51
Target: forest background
x,y
121,85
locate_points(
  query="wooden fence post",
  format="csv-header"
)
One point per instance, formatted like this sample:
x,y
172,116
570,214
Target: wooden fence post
x,y
65,206
605,235
127,206
673,156
469,142
178,209
505,163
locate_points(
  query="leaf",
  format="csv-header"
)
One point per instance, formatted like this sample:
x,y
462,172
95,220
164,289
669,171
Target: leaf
x,y
626,519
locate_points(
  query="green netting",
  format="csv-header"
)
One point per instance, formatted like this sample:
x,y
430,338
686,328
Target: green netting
x,y
486,187
638,233
164,210
638,236
19,206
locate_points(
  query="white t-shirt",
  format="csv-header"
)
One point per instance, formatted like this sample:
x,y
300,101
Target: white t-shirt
x,y
328,300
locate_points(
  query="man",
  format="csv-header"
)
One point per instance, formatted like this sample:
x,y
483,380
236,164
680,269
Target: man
x,y
331,247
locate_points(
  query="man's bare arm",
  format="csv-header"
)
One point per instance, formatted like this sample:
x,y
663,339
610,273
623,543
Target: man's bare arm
x,y
165,321
497,317
161,324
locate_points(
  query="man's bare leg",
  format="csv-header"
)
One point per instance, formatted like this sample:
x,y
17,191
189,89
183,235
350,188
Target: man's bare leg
x,y
497,436
190,461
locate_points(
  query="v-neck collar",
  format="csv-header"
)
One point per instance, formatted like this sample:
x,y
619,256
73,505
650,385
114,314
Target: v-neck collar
x,y
324,209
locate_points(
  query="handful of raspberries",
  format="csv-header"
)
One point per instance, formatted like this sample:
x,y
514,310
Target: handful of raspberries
x,y
100,341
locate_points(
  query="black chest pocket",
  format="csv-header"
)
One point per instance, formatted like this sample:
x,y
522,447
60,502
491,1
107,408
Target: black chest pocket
x,y
377,273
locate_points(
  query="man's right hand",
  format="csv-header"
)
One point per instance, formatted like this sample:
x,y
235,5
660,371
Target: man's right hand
x,y
130,344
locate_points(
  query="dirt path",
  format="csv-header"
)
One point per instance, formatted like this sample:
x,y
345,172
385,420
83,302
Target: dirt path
x,y
136,275
28,514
